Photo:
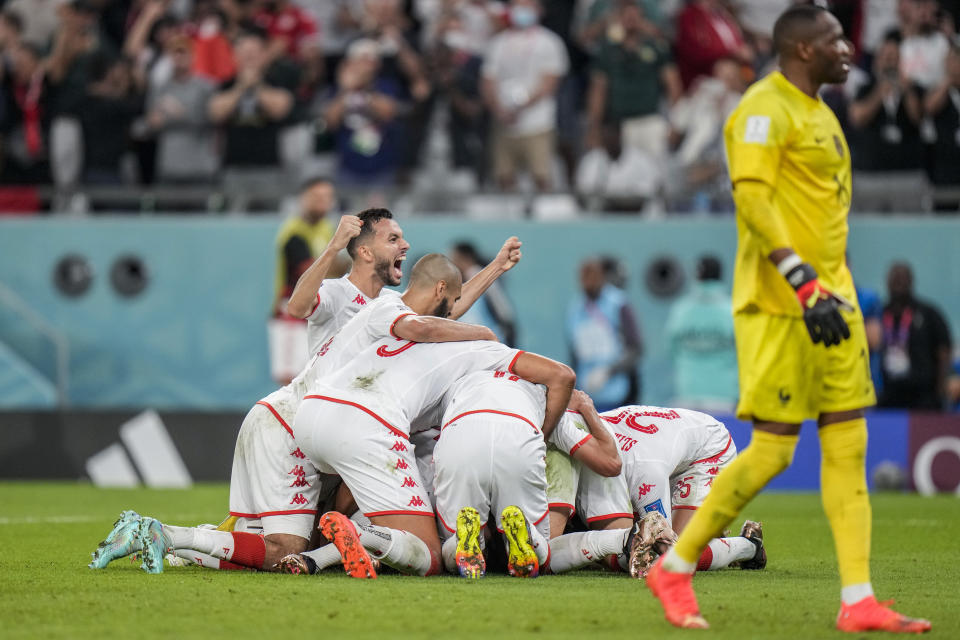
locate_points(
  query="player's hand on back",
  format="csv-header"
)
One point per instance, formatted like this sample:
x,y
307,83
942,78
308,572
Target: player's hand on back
x,y
821,307
348,229
579,401
509,253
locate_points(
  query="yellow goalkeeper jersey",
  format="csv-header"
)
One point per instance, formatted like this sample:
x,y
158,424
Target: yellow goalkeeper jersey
x,y
782,137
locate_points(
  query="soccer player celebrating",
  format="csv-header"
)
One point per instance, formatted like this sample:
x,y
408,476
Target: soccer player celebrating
x,y
790,169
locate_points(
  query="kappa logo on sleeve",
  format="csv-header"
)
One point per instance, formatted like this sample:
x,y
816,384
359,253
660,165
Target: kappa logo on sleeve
x,y
758,129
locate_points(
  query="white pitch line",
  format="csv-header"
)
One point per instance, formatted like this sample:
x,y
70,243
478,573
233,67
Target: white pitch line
x,y
83,519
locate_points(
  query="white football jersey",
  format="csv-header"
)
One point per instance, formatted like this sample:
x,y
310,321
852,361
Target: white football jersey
x,y
397,380
374,322
338,300
495,392
571,433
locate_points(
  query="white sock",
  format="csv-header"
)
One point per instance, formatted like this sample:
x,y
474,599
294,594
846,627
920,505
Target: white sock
x,y
395,548
198,557
540,544
326,556
675,564
359,518
856,592
218,544
728,550
575,550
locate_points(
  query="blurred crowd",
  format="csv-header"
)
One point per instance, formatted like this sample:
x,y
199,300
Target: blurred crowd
x,y
620,102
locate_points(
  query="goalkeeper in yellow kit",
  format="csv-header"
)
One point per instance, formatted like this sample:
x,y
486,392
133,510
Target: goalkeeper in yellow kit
x,y
790,168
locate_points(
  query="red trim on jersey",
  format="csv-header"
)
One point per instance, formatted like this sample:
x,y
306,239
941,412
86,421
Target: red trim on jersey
x,y
499,413
277,416
572,508
396,432
265,514
715,458
581,443
373,514
444,523
545,514
398,319
610,516
684,506
571,411
514,362
314,310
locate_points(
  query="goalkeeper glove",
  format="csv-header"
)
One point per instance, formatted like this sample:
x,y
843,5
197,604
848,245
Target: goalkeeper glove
x,y
821,307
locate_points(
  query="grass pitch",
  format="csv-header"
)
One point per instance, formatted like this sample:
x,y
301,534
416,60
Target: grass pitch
x,y
47,532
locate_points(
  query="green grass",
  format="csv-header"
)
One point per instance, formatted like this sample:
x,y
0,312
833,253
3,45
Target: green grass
x,y
48,530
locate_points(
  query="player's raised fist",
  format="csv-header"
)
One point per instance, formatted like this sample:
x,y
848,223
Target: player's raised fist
x,y
509,253
348,229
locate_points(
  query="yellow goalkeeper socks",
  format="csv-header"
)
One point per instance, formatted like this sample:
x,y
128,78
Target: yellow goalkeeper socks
x,y
767,456
843,485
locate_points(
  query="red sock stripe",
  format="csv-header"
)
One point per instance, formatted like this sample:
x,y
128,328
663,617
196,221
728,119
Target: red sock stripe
x,y
249,550
226,565
706,559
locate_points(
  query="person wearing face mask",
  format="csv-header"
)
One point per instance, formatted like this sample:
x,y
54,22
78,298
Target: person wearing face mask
x,y
521,74
915,355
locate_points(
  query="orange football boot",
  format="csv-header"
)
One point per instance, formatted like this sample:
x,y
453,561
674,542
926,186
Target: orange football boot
x,y
675,593
339,529
869,615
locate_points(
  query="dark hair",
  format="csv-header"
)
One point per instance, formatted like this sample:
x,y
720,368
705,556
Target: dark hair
x,y
313,181
252,30
709,268
368,217
468,249
14,20
790,21
893,35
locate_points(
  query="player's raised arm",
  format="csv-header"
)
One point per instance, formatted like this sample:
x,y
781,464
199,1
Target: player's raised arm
x,y
557,377
599,453
303,299
508,256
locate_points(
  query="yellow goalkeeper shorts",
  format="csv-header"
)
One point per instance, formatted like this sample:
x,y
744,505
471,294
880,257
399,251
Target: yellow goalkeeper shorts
x,y
784,377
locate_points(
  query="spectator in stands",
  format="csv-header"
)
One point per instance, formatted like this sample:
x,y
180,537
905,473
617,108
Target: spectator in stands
x,y
632,73
924,47
601,23
916,351
885,115
300,240
252,105
11,31
111,105
38,18
212,53
521,74
617,178
340,22
494,309
146,44
456,76
177,115
699,331
604,338
707,32
25,116
363,110
293,33
942,105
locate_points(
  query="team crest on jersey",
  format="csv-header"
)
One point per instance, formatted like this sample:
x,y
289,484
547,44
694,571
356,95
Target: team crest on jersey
x,y
655,506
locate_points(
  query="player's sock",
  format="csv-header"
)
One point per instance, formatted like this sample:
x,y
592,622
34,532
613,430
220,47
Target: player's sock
x,y
245,549
398,549
359,518
207,561
843,485
722,552
767,456
575,550
324,557
540,545
448,552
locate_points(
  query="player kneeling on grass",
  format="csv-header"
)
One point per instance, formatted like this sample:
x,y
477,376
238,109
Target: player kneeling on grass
x,y
670,457
356,423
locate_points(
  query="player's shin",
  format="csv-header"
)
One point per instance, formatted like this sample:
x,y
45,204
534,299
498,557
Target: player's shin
x,y
576,550
245,549
401,550
767,456
207,561
846,502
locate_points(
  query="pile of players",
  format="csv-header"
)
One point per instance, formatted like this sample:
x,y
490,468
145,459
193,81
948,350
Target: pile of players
x,y
414,435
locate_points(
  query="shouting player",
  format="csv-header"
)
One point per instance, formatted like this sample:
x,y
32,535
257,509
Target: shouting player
x,y
790,168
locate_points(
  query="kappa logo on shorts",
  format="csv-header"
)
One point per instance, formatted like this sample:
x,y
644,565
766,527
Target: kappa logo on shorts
x,y
297,471
408,482
401,464
416,501
298,499
398,446
784,395
645,489
298,454
708,483
713,471
300,482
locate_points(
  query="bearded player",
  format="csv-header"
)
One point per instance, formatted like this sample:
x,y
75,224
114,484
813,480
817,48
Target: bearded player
x,y
790,169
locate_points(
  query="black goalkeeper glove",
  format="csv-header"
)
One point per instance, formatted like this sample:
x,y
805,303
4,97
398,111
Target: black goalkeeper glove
x,y
821,308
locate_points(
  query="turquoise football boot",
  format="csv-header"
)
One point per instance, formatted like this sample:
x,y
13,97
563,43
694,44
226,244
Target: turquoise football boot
x,y
155,545
122,540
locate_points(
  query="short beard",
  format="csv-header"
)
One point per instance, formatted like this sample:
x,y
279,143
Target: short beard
x,y
442,310
384,270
